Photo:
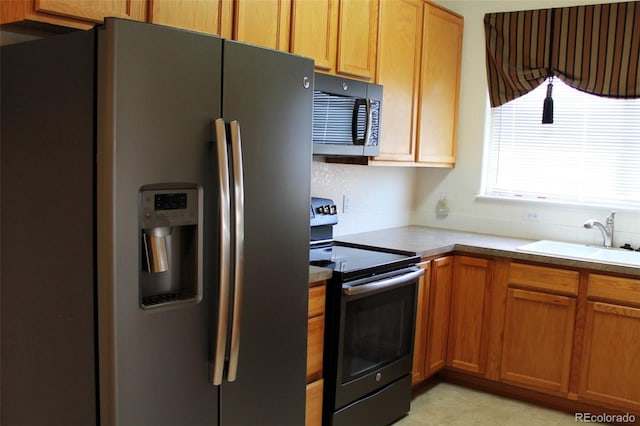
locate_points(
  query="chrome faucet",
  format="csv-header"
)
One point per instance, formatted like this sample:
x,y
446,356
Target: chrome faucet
x,y
607,229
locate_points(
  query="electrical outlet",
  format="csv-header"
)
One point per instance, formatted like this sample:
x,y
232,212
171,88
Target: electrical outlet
x,y
531,216
442,206
346,203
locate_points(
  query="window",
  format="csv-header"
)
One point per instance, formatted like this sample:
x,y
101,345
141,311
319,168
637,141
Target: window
x,y
590,155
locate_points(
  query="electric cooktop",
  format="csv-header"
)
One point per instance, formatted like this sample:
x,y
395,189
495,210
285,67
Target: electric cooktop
x,y
348,260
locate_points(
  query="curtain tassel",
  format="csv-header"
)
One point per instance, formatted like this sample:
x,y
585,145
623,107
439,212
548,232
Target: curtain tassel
x,y
547,109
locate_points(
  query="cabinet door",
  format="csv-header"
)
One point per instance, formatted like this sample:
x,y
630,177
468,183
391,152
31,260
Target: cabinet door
x,y
314,32
422,316
470,307
357,38
439,311
399,48
610,367
81,14
207,16
263,22
440,85
313,412
538,339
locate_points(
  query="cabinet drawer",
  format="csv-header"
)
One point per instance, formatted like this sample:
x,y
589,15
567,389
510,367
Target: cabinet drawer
x,y
315,347
623,290
543,278
316,300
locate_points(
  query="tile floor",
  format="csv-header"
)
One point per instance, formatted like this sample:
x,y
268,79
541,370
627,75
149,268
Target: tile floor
x,y
448,404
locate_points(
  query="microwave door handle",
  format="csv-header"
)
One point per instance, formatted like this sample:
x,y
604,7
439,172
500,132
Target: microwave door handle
x,y
367,133
238,184
354,122
220,338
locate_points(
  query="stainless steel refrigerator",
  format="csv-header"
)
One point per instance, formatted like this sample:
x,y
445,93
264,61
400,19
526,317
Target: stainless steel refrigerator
x,y
141,261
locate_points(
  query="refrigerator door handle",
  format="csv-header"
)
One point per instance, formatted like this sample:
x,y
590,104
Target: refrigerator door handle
x,y
225,253
238,184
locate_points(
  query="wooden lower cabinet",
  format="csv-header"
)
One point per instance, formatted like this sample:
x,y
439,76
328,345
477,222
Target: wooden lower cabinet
x,y
432,318
538,339
610,364
564,337
470,314
438,315
315,349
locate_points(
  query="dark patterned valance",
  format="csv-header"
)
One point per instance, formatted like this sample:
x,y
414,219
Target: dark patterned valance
x,y
595,49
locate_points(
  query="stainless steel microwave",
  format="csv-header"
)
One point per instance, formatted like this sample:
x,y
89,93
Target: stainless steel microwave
x,y
346,117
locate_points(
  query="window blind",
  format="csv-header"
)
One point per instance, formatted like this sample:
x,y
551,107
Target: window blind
x,y
590,155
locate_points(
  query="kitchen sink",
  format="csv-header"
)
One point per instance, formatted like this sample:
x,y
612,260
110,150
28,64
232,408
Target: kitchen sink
x,y
583,252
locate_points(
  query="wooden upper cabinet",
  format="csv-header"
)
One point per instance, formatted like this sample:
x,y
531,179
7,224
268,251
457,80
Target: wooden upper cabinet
x,y
357,38
82,14
439,87
314,32
340,35
399,54
207,16
264,23
419,60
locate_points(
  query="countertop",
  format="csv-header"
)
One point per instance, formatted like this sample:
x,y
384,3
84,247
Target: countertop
x,y
317,273
428,242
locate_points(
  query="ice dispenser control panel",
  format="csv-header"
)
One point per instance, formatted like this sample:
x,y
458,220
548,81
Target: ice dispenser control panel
x,y
169,207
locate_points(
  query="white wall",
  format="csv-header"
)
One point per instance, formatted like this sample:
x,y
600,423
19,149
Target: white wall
x,y
380,197
469,213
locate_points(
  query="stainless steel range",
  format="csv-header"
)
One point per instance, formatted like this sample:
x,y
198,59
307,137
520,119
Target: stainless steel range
x,y
369,325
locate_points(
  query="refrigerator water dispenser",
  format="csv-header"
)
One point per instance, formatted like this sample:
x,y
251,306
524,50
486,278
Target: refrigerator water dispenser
x,y
170,245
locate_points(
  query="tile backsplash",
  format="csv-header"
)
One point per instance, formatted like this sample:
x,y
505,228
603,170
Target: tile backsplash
x,y
377,197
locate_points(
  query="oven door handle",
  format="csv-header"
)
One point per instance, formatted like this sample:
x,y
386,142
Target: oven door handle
x,y
385,284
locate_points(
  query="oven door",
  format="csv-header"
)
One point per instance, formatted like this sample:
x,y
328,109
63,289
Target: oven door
x,y
376,333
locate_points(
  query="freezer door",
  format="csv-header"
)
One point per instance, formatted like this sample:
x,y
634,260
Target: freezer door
x,y
269,94
159,90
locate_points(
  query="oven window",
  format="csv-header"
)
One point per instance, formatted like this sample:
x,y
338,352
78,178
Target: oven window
x,y
378,330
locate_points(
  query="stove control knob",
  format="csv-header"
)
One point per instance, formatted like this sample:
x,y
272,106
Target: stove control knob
x,y
326,209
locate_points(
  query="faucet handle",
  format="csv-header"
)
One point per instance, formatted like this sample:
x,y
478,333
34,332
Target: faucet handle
x,y
611,217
